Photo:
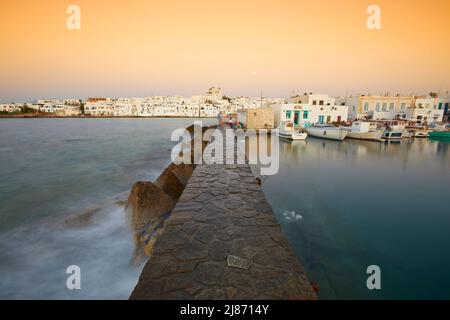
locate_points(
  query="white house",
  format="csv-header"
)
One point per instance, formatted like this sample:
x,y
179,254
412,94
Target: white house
x,y
425,111
310,109
11,107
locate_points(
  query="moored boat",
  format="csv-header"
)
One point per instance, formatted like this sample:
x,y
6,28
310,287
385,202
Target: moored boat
x,y
421,134
364,131
445,135
418,131
287,131
327,132
394,132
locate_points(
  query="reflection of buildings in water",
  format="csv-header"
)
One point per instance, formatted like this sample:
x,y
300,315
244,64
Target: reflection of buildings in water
x,y
442,149
400,154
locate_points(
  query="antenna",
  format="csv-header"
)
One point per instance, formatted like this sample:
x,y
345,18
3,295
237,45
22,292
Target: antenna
x,y
260,105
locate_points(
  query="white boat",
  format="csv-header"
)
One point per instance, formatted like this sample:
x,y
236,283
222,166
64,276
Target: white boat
x,y
364,131
287,131
421,133
395,132
418,131
327,132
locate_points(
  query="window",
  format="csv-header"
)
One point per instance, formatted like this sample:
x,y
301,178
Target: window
x,y
384,106
314,102
321,119
403,105
378,106
366,106
305,114
321,103
440,105
288,114
391,106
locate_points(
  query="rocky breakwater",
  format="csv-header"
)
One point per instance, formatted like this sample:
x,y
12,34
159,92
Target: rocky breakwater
x,y
150,203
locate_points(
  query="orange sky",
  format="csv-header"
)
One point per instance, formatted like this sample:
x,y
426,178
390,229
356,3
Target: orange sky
x,y
147,47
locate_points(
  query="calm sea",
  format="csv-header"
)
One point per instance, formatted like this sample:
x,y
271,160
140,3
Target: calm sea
x,y
347,205
343,205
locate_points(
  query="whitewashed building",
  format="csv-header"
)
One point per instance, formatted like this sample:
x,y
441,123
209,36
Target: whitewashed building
x,y
377,107
425,109
11,107
310,109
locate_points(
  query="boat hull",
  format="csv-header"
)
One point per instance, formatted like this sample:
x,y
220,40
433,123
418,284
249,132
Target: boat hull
x,y
445,135
293,136
299,136
371,136
329,133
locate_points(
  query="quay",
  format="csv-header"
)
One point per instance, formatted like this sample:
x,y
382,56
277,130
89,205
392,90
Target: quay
x,y
222,241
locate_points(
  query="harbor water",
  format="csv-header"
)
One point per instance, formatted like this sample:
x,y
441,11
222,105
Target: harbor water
x,y
348,205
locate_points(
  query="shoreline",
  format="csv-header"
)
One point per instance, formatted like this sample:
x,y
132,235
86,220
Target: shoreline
x,y
40,116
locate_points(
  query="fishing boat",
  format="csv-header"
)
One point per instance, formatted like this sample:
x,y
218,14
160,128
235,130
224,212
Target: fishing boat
x,y
418,131
394,132
326,131
364,131
287,131
444,135
421,133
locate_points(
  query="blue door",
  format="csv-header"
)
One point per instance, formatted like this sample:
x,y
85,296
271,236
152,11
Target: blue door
x,y
296,118
321,119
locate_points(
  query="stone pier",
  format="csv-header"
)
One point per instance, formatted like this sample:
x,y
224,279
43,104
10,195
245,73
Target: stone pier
x,y
222,241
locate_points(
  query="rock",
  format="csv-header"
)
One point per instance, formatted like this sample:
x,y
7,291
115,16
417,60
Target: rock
x,y
147,203
148,249
169,183
182,171
315,287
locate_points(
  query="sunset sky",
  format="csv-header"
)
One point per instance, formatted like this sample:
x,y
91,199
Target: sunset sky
x,y
146,47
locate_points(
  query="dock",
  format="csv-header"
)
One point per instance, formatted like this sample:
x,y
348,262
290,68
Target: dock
x,y
222,241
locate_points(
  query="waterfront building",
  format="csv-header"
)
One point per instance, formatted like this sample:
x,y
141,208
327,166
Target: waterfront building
x,y
309,109
11,107
99,107
443,102
425,111
257,118
422,109
377,107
